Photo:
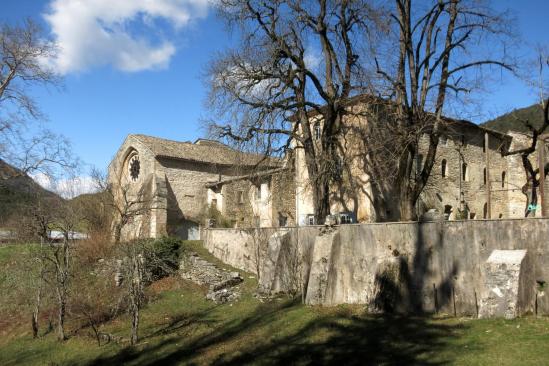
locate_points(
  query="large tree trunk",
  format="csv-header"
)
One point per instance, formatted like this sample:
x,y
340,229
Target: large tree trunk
x,y
321,197
530,188
407,208
319,180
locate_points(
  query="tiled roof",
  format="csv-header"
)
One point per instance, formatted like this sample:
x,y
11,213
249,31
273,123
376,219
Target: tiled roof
x,y
204,151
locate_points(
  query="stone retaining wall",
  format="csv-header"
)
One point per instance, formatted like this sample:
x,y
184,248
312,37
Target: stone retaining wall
x,y
431,266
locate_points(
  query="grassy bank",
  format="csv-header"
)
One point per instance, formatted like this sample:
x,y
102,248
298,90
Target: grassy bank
x,y
181,327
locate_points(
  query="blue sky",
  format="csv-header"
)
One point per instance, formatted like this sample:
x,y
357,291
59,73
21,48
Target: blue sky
x,y
105,97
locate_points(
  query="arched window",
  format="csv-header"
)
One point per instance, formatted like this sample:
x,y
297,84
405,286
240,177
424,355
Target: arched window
x,y
484,172
502,179
485,210
443,167
133,166
447,211
464,172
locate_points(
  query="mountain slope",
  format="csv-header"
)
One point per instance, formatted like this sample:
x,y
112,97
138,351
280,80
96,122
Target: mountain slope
x,y
514,121
16,190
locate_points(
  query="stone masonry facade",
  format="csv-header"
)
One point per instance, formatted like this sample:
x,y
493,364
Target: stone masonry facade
x,y
177,185
167,187
466,174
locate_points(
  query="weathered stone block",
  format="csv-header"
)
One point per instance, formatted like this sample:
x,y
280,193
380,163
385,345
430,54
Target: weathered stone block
x,y
268,271
508,285
320,267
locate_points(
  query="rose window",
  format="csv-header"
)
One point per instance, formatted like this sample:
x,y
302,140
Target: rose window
x,y
134,167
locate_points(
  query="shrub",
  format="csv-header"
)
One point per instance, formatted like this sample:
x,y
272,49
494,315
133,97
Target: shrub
x,y
164,259
219,220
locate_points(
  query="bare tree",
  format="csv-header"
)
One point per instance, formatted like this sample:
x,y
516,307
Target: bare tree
x,y
140,265
127,203
69,217
295,59
278,97
36,218
134,274
24,54
54,222
438,51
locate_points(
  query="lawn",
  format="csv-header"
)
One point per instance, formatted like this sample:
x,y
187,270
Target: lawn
x,y
181,327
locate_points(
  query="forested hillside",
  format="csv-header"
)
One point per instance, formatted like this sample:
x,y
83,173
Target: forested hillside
x,y
515,120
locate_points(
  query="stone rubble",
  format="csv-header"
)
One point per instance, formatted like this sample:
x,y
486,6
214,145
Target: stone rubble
x,y
223,285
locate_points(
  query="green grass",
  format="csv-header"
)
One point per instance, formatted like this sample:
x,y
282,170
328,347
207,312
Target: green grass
x,y
9,252
181,327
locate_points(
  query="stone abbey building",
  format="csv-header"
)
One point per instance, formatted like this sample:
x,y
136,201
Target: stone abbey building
x,y
173,188
177,188
472,176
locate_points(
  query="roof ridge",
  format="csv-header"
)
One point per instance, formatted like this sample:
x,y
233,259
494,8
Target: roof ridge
x,y
137,135
211,153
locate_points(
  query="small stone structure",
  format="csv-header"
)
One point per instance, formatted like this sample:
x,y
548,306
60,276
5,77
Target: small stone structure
x,y
222,284
508,285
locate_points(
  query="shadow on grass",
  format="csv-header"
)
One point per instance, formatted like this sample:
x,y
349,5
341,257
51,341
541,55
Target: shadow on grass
x,y
325,339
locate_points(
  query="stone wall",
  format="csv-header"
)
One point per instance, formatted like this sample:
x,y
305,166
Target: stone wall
x,y
461,143
186,191
283,197
242,206
148,188
237,197
453,194
431,266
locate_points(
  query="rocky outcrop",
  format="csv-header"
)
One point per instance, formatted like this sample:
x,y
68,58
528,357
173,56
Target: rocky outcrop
x,y
223,285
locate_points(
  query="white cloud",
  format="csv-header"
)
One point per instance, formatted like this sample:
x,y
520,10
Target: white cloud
x,y
312,58
66,187
99,32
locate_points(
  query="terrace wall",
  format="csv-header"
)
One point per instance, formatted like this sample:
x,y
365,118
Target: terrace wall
x,y
411,266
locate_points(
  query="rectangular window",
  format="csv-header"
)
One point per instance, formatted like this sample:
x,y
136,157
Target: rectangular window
x,y
338,166
214,202
282,220
310,219
419,163
317,131
345,218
